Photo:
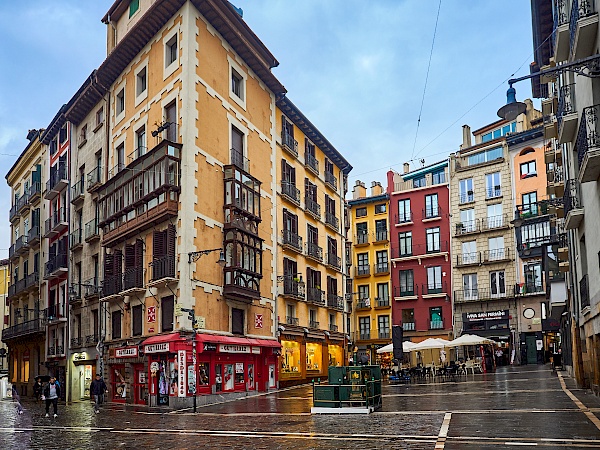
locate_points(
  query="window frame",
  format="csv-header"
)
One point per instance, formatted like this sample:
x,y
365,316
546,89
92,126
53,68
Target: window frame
x,y
527,165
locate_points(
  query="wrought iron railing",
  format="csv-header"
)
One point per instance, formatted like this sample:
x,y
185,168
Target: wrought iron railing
x,y
311,161
239,160
405,217
332,220
163,267
292,239
432,212
315,295
314,251
588,135
312,206
294,288
331,180
405,291
289,142
584,291
382,267
361,238
290,190
571,198
566,102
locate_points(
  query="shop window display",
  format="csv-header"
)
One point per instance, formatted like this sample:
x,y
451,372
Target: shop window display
x,y
218,378
336,357
228,377
163,384
251,376
119,390
203,374
239,372
314,356
290,363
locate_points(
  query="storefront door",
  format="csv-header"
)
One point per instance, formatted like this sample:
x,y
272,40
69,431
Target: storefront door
x,y
531,350
140,389
218,377
118,386
162,381
87,375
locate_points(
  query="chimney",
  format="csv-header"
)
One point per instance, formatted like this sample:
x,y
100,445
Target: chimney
x,y
359,190
376,188
31,134
406,168
466,137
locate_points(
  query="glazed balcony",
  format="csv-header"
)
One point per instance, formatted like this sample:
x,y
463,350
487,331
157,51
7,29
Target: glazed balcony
x,y
290,192
56,266
588,144
311,163
293,288
27,328
331,181
241,196
332,221
314,252
333,261
572,205
135,200
335,301
566,115
289,144
315,296
312,207
583,28
561,36
162,271
78,192
94,179
92,232
241,284
59,179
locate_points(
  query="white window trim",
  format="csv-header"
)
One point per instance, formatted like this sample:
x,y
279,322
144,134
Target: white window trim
x,y
240,126
168,70
240,71
144,95
120,116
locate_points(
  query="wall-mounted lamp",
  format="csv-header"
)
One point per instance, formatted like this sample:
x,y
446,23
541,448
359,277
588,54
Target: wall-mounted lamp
x,y
195,256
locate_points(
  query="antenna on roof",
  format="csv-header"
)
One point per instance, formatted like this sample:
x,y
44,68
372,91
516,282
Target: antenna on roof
x,y
422,161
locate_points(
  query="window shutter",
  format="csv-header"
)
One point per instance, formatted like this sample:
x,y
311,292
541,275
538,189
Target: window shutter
x,y
108,265
118,269
158,245
171,241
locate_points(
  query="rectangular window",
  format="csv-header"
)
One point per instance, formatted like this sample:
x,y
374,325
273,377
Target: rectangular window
x,y
408,319
134,5
533,277
407,286
438,177
166,313
485,156
362,233
380,209
419,182
383,323
434,280
405,242
136,319
364,325
237,321
431,206
493,187
141,82
381,230
404,212
171,51
433,240
140,141
237,84
382,261
528,169
469,253
363,294
99,117
435,317
467,222
466,190
383,294
363,263
529,203
495,219
120,101
496,250
470,291
361,212
116,324
497,288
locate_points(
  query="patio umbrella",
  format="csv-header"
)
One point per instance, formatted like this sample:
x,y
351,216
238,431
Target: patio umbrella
x,y
469,339
406,346
429,344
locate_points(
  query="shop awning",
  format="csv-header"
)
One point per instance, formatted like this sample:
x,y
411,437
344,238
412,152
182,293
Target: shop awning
x,y
219,339
160,338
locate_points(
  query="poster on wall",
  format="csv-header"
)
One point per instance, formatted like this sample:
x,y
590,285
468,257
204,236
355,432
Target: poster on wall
x,y
191,379
181,372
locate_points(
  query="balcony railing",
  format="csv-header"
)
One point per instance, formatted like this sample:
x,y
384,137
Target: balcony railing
x,y
22,329
313,324
289,143
315,295
331,180
384,334
566,102
137,153
94,178
572,196
22,244
529,288
91,339
494,222
477,294
56,264
584,291
58,180
312,206
76,238
133,277
311,162
361,238
292,239
293,288
76,342
531,210
334,261
362,271
436,324
35,191
314,251
588,144
382,267
433,212
335,301
363,303
163,267
408,326
405,291
493,192
381,235
33,237
496,255
112,285
466,197
91,230
77,191
382,302
91,288
406,217
434,288
332,220
114,171
290,191
333,327
240,161
467,227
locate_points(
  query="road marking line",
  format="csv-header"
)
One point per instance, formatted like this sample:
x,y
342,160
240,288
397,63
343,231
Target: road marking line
x,y
521,443
443,434
579,404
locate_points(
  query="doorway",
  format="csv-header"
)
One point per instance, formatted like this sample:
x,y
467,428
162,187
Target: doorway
x,y
531,349
140,391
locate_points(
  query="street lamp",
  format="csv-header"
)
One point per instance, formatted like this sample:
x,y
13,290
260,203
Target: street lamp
x,y
195,256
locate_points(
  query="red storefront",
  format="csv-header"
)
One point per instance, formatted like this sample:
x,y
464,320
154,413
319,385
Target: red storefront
x,y
224,364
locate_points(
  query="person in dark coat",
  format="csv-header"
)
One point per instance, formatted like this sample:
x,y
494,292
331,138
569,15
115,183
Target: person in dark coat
x,y
97,390
52,394
37,388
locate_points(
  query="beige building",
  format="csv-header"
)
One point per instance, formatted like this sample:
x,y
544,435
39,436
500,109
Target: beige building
x,y
25,333
483,242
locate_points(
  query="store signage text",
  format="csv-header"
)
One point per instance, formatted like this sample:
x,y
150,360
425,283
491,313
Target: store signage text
x,y
181,373
485,315
127,352
157,348
210,347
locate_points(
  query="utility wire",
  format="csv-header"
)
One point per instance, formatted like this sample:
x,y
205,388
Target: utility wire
x,y
426,77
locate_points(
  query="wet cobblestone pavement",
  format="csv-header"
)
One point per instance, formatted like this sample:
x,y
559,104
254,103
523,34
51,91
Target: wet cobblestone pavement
x,y
516,406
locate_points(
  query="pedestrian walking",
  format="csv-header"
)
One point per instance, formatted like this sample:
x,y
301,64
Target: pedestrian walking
x,y
17,399
37,388
97,390
52,393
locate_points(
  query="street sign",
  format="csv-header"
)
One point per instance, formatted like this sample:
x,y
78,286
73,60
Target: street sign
x,y
178,312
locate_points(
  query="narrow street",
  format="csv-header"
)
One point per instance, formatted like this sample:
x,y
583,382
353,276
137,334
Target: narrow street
x,y
516,406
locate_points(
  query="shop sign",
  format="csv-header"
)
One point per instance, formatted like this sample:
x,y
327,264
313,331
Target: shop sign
x,y
26,355
239,367
210,347
550,325
151,314
485,315
181,373
256,350
226,348
536,321
80,356
258,320
127,352
157,348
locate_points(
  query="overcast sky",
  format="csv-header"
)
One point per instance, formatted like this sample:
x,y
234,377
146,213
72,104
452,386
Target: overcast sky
x,y
355,68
